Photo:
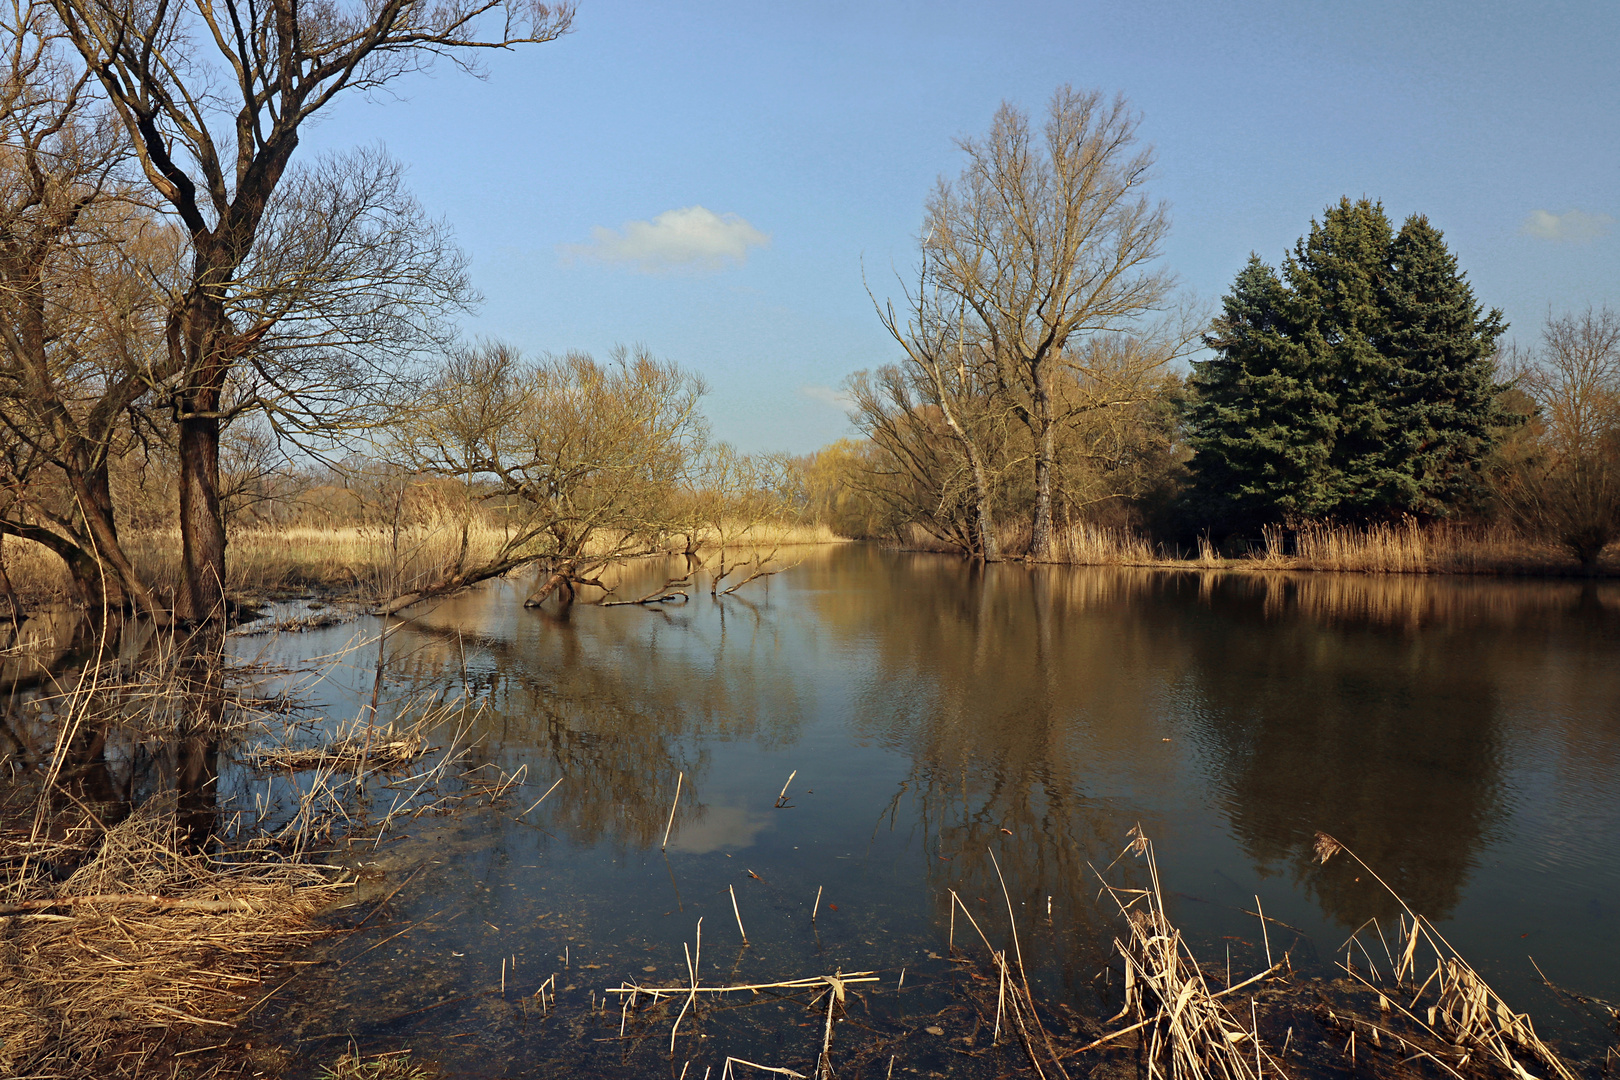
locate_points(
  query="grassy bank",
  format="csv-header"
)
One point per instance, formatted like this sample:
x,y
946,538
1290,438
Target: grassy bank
x,y
356,562
1406,548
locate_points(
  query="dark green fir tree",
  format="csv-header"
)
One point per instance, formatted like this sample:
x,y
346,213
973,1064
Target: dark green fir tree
x,y
1263,417
1445,399
1358,385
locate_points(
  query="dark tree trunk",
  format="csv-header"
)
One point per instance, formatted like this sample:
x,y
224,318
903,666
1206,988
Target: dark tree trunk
x,y
202,524
202,675
118,586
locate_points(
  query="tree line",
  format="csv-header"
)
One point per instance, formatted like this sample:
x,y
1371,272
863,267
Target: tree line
x,y
187,305
191,310
1360,382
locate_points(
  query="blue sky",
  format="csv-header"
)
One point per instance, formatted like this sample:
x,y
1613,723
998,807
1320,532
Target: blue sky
x,y
810,134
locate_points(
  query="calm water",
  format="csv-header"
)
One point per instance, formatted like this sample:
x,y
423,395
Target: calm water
x,y
1461,736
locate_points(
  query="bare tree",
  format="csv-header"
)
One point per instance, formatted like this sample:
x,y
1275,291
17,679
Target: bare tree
x,y
1568,485
588,461
1046,238
78,265
213,99
945,372
922,471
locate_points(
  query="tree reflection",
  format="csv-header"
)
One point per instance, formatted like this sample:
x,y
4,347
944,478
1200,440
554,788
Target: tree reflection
x,y
1017,693
1370,708
617,702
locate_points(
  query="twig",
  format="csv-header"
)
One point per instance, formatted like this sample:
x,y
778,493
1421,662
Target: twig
x,y
679,777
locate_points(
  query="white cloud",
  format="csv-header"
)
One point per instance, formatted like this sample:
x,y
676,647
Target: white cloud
x,y
1577,225
691,238
826,395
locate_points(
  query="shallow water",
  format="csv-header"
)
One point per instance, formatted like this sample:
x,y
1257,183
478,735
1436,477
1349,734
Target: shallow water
x,y
1461,736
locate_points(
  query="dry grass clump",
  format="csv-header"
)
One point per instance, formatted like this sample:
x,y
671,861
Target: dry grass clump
x,y
139,940
1453,1008
361,748
393,1065
1188,1031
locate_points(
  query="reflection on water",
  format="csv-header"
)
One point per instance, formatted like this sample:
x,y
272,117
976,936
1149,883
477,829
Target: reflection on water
x,y
1462,736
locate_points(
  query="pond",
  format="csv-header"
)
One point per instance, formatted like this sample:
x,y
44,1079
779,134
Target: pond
x,y
936,725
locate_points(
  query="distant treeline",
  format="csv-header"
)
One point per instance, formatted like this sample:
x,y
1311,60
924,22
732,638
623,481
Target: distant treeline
x,y
184,356
1359,386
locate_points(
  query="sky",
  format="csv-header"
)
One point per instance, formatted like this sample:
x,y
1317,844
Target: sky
x,y
722,182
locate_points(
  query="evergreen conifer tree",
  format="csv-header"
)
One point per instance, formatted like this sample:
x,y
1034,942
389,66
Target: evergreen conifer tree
x,y
1358,384
1263,416
1445,399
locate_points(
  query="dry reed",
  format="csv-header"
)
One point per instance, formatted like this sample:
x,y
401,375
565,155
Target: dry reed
x,y
1187,1030
380,748
363,562
1014,999
141,939
1408,547
120,942
1462,1017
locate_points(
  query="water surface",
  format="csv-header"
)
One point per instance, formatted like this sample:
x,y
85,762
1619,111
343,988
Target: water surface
x,y
1461,735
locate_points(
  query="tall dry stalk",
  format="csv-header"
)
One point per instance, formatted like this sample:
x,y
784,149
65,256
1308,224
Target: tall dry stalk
x,y
1188,1031
1461,1011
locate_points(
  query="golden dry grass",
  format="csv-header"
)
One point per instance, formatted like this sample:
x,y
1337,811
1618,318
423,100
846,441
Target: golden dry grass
x,y
363,562
139,939
1404,548
1410,548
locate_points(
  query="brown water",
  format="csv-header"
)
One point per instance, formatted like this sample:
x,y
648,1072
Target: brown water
x,y
1462,736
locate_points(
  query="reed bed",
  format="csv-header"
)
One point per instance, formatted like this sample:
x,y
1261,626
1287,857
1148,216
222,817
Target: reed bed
x,y
1406,547
365,562
1084,544
141,946
1409,548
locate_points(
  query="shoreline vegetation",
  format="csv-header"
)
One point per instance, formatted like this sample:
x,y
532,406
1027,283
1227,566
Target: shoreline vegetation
x,y
179,828
1404,548
367,564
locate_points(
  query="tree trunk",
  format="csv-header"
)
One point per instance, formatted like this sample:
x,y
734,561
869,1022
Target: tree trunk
x,y
1040,537
983,523
123,587
557,580
202,680
202,524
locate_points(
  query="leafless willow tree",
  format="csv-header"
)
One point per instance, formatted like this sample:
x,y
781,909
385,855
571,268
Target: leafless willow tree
x,y
942,449
1568,485
1047,239
81,272
213,99
947,382
589,462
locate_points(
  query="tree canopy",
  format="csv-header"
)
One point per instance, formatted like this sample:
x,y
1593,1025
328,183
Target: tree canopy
x,y
1359,383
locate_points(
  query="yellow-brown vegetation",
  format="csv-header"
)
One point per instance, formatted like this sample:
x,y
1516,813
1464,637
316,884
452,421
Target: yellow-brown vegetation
x,y
361,562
